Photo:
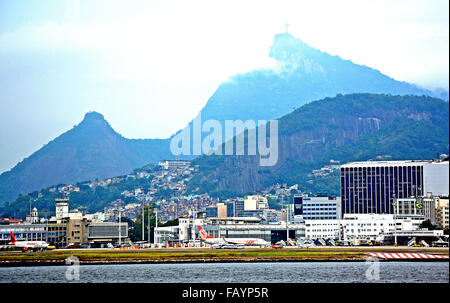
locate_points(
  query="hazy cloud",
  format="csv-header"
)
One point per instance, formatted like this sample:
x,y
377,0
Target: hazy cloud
x,y
150,66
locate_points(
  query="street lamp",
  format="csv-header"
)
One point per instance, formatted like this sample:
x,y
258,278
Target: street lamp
x,y
120,227
142,221
394,204
149,226
156,226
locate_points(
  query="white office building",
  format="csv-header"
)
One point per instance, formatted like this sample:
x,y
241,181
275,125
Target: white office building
x,y
315,208
360,226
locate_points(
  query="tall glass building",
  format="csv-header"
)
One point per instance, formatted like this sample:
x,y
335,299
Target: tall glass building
x,y
370,187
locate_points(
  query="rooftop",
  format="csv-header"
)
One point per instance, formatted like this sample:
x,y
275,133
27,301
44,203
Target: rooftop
x,y
390,163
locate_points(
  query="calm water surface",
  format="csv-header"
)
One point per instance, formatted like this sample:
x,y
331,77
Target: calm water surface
x,y
298,272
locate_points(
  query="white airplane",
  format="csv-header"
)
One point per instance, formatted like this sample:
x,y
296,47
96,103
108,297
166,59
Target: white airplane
x,y
28,245
237,241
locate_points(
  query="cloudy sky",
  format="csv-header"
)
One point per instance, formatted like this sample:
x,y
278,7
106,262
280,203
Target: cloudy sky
x,y
150,66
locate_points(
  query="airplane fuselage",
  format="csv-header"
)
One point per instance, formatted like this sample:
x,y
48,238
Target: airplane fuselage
x,y
33,244
25,245
237,241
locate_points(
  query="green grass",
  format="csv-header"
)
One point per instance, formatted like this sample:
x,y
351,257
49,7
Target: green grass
x,y
155,255
202,254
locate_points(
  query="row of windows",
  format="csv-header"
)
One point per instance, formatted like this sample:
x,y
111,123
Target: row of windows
x,y
318,204
371,189
320,218
363,230
369,224
23,236
319,224
323,230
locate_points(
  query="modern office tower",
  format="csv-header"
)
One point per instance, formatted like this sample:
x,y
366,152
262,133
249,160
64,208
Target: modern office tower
x,y
372,187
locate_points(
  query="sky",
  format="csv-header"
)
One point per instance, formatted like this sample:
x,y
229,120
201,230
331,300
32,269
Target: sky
x,y
150,66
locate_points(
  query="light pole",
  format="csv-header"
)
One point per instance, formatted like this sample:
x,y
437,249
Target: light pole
x,y
148,219
287,219
143,219
120,228
156,226
394,203
29,195
285,212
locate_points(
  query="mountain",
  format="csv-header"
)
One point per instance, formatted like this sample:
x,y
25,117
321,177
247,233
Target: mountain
x,y
90,150
93,149
353,127
303,74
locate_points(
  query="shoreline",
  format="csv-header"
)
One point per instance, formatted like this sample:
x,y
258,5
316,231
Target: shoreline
x,y
180,256
62,263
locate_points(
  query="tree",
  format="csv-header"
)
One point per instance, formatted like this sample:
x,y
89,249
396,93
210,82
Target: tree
x,y
137,231
427,224
170,223
131,228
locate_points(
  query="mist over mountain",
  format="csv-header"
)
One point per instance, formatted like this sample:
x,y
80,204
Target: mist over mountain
x,y
304,74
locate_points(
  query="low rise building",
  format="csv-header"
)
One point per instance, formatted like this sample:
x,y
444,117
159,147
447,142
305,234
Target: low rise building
x,y
434,209
67,227
107,232
361,226
25,232
315,208
174,164
33,217
442,217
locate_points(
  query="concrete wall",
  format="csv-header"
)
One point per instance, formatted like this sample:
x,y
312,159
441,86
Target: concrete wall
x,y
436,178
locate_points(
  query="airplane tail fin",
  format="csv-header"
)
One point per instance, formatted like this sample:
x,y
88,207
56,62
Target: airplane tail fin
x,y
203,234
13,239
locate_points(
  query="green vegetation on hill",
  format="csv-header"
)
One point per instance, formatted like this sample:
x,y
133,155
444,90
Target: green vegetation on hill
x,y
90,150
93,149
354,127
91,199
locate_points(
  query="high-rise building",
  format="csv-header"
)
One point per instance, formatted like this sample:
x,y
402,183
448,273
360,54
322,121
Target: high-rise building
x,y
371,187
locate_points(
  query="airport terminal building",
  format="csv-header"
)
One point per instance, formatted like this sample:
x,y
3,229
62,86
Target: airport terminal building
x,y
66,227
228,227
